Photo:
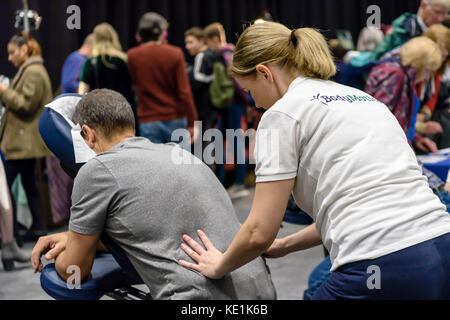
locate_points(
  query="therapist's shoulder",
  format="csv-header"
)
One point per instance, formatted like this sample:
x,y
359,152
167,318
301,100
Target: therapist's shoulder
x,y
295,103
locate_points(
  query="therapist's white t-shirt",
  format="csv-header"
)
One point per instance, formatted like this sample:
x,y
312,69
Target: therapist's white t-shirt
x,y
356,174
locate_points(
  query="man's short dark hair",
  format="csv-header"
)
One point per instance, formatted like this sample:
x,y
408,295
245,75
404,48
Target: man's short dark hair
x,y
212,31
151,26
195,32
105,110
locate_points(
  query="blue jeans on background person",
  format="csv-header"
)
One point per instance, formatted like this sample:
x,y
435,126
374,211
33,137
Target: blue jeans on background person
x,y
231,119
161,131
318,276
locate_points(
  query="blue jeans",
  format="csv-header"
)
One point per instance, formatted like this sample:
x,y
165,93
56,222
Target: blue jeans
x,y
318,276
231,119
161,131
420,272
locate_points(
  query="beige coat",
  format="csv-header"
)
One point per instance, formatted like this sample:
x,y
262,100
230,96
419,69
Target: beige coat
x,y
30,91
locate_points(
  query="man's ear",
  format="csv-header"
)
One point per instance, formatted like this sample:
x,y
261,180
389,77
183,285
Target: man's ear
x,y
138,38
264,72
89,135
423,4
24,49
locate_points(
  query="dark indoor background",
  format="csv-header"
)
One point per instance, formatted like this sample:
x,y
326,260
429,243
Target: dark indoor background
x,y
57,41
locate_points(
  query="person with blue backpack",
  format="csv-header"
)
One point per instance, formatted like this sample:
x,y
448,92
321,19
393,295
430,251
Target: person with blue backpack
x,y
232,115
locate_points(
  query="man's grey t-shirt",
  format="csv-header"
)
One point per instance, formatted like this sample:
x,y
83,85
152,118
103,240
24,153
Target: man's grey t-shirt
x,y
146,201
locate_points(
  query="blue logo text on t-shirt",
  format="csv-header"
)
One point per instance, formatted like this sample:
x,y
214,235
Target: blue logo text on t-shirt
x,y
325,100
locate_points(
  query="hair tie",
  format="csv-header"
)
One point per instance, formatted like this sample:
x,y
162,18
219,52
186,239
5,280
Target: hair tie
x,y
294,38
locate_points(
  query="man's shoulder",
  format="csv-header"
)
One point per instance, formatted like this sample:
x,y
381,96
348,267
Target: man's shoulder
x,y
89,171
211,54
172,48
165,49
74,56
135,149
91,166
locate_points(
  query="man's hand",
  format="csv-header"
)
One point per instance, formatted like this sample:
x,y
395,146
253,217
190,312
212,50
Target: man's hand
x,y
432,127
194,133
421,117
51,245
3,88
426,145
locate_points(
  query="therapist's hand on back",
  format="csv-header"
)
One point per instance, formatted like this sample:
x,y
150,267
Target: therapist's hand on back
x,y
207,259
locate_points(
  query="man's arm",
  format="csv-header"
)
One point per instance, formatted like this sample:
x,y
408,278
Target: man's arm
x,y
52,246
80,251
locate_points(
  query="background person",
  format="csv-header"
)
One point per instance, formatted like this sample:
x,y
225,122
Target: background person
x,y
429,91
10,250
406,27
232,116
71,71
394,83
158,73
107,68
201,74
20,140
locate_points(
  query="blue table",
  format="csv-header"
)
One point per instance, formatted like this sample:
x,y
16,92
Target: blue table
x,y
438,163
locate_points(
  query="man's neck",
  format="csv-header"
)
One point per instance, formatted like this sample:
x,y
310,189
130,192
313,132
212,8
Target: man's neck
x,y
422,24
203,49
152,42
109,144
84,51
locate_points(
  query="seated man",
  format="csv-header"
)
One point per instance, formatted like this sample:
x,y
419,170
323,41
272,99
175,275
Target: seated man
x,y
134,191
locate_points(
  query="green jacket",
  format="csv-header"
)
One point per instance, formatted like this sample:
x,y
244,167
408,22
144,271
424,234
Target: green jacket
x,y
25,100
404,27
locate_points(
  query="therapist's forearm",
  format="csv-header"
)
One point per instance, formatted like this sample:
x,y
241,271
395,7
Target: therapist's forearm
x,y
261,227
302,240
248,244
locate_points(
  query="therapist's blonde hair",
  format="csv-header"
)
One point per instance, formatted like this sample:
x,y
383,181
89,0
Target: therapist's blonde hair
x,y
271,42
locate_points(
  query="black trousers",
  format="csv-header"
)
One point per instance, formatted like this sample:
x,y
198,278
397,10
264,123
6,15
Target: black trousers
x,y
26,170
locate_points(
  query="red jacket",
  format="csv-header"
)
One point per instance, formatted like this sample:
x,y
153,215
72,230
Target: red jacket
x,y
158,73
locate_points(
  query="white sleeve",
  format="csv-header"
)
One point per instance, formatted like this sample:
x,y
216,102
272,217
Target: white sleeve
x,y
277,147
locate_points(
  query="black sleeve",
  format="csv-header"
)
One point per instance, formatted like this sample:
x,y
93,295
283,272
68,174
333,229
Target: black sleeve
x,y
87,74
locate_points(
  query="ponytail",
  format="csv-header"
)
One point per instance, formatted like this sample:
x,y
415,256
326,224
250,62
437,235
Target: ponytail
x,y
303,50
311,56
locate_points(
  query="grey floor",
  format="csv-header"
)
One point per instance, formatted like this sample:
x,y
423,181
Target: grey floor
x,y
289,274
